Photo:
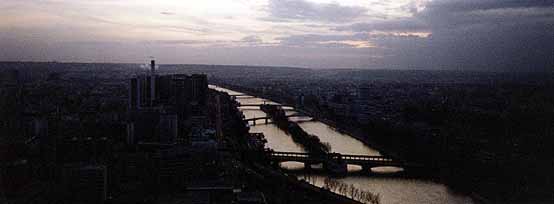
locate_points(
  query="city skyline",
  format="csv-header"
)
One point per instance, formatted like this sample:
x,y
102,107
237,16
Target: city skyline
x,y
486,35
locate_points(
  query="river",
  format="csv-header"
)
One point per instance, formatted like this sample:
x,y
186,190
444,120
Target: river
x,y
391,190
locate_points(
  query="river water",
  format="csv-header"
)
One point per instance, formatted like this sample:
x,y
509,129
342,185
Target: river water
x,y
391,190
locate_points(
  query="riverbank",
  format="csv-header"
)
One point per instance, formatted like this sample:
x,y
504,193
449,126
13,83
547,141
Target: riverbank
x,y
355,134
402,190
360,136
256,174
306,192
311,143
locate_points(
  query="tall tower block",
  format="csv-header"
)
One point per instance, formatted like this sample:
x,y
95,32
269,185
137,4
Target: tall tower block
x,y
153,66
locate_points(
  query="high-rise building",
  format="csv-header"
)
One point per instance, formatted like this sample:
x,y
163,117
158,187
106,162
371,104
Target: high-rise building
x,y
153,66
199,87
160,104
142,89
150,90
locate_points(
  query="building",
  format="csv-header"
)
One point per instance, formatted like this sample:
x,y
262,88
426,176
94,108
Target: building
x,y
168,128
14,173
170,165
198,88
162,107
300,100
151,90
86,183
11,115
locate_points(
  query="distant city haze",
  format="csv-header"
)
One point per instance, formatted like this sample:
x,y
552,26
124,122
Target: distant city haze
x,y
483,35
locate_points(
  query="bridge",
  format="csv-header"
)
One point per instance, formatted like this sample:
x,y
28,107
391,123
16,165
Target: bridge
x,y
240,94
259,105
282,105
244,97
267,118
337,163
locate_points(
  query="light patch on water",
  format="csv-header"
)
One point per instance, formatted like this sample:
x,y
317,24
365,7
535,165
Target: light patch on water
x,y
353,168
386,169
292,165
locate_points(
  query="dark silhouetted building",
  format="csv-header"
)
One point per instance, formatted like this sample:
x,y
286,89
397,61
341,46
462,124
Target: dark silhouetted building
x,y
151,90
161,105
86,183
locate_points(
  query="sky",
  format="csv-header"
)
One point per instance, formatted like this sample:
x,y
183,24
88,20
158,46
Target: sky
x,y
488,35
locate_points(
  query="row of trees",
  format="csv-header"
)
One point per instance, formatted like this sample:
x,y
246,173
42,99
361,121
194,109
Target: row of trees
x,y
310,142
347,190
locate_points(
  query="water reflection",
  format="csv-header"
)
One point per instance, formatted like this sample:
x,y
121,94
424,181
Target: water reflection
x,y
392,190
386,169
279,140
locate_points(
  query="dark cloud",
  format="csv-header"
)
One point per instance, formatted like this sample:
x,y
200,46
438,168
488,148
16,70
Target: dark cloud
x,y
449,6
494,35
283,10
453,14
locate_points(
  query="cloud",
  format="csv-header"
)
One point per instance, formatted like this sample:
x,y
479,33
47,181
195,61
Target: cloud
x,y
181,42
248,41
326,41
489,35
252,39
167,13
440,34
453,6
400,24
284,10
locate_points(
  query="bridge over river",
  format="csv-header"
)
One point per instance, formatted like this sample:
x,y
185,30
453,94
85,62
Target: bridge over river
x,y
267,118
337,163
398,190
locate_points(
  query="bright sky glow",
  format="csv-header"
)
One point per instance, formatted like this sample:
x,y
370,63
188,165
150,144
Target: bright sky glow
x,y
265,32
145,20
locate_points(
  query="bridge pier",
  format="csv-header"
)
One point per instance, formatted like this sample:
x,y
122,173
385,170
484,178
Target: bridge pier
x,y
336,168
275,164
307,166
254,122
266,121
367,168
